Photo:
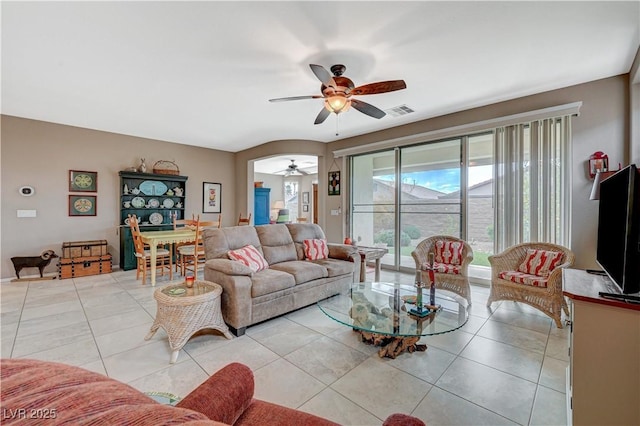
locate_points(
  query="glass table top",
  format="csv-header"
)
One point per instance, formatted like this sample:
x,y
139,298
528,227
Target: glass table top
x,y
380,307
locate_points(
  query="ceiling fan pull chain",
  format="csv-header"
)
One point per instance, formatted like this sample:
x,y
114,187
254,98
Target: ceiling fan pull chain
x,y
337,124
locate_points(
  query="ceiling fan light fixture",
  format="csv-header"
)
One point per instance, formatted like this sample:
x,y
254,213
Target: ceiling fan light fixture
x,y
337,103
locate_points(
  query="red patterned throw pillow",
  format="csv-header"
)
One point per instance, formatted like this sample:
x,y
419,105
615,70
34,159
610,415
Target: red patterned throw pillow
x,y
540,262
250,256
315,249
449,252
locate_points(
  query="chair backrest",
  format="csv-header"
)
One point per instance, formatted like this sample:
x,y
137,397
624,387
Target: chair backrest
x,y
137,238
179,223
421,253
210,223
244,220
301,220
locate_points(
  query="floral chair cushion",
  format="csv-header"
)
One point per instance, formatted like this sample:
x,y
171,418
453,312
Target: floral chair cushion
x,y
540,262
522,278
449,252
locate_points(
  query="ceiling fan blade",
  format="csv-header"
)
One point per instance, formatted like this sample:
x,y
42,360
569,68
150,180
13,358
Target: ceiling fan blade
x,y
324,113
323,75
367,109
296,98
379,87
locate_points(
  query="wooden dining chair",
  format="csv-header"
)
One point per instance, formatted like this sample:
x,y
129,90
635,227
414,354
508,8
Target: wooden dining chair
x,y
192,256
301,220
177,224
143,256
244,220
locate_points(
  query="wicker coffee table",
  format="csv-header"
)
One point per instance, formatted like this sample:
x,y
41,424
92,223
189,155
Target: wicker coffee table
x,y
183,311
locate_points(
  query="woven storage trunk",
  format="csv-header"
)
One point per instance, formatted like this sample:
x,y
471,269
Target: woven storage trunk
x,y
74,249
83,266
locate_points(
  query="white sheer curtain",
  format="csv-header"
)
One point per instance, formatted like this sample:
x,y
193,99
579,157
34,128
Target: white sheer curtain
x,y
532,182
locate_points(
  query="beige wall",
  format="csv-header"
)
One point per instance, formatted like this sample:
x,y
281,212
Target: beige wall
x,y
41,154
603,125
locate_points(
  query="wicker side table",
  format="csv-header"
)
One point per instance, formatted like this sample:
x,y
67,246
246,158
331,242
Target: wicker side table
x,y
183,311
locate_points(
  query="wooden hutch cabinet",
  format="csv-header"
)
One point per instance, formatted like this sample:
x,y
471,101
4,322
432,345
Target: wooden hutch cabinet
x,y
153,198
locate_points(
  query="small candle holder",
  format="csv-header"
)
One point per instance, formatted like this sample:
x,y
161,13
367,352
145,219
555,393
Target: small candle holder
x,y
189,280
419,285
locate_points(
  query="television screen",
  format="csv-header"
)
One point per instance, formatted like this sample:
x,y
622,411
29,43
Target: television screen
x,y
618,249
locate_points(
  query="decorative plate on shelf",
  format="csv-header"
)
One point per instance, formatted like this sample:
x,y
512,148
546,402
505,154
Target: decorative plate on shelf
x,y
167,203
154,203
155,218
138,202
153,187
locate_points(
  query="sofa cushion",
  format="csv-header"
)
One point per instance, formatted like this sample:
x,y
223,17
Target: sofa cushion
x,y
218,241
304,231
450,252
522,278
302,271
540,262
270,281
336,267
315,249
250,256
277,244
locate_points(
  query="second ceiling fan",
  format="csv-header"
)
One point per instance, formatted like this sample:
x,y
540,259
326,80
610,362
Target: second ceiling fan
x,y
337,92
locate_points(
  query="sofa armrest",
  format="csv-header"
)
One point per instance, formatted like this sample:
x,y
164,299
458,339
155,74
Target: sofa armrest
x,y
229,267
224,396
343,252
402,420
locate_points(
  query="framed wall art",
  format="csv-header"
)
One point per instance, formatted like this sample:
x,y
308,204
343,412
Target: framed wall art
x,y
211,197
334,183
82,181
83,205
305,198
305,208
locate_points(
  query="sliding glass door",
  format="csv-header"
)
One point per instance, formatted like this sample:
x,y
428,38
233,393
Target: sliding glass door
x,y
430,197
404,195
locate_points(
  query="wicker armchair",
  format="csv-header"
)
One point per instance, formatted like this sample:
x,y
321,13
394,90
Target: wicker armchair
x,y
547,299
455,282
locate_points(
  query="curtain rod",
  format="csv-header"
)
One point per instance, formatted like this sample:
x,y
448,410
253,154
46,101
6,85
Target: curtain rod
x,y
554,111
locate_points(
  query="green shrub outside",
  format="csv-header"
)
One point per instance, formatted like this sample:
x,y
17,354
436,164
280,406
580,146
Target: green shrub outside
x,y
387,236
412,231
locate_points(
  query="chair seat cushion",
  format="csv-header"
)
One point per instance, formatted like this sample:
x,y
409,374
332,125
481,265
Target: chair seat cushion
x,y
540,262
449,252
160,253
522,278
189,250
446,268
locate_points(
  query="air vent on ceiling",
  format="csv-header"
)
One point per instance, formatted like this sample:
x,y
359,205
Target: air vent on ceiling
x,y
399,110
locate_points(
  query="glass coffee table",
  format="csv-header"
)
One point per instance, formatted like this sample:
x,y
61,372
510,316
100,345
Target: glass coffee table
x,y
382,313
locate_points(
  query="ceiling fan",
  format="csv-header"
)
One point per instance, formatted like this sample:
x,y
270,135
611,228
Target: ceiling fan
x,y
292,170
337,91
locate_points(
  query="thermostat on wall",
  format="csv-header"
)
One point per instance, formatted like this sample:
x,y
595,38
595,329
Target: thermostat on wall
x,y
27,191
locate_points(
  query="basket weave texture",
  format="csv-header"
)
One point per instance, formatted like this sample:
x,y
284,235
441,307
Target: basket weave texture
x,y
549,299
457,283
164,167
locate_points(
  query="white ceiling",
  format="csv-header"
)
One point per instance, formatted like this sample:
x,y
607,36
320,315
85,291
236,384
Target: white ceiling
x,y
201,73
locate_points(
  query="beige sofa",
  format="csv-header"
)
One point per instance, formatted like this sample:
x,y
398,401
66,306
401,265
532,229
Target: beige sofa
x,y
289,283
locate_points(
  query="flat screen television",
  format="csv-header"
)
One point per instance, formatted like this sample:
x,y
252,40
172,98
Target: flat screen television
x,y
618,247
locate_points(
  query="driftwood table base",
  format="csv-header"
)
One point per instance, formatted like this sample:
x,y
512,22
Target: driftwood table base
x,y
392,346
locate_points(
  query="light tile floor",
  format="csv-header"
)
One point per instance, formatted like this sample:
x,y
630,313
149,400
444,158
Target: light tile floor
x,y
505,366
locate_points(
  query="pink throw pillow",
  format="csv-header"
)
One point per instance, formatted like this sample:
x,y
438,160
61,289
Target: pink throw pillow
x,y
315,249
250,256
540,262
449,252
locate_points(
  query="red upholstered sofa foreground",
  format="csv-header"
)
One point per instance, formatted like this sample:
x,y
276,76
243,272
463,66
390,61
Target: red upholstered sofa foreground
x,y
52,393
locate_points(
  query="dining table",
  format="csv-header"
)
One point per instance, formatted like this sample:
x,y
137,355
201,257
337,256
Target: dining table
x,y
156,238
